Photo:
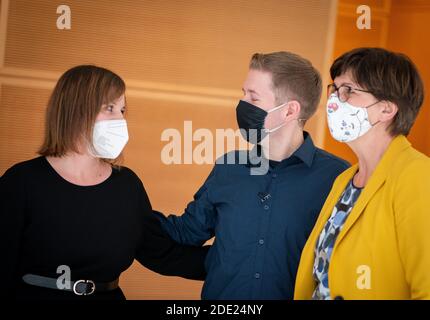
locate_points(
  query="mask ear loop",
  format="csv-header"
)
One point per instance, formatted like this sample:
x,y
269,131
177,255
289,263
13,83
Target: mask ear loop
x,y
374,124
281,125
274,129
277,108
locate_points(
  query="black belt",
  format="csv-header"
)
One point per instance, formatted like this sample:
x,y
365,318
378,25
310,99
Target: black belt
x,y
79,287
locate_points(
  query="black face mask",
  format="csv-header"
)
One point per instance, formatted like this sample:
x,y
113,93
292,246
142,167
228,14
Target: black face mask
x,y
250,120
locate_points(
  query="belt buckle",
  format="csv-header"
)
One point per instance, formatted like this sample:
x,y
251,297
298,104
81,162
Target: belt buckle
x,y
87,282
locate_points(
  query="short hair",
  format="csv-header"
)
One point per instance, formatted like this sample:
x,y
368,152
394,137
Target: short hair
x,y
389,76
293,77
74,105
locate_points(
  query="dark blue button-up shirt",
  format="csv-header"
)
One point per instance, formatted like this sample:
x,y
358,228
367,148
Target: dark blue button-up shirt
x,y
260,221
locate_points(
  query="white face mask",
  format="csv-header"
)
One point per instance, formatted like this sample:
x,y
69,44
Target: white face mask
x,y
345,121
109,138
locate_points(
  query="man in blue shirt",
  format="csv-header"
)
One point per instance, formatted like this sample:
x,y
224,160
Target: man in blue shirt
x,y
262,210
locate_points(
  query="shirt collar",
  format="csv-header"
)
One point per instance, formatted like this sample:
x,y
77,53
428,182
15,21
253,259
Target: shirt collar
x,y
305,153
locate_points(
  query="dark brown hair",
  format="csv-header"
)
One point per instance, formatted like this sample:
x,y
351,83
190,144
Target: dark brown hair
x,y
389,76
293,77
74,105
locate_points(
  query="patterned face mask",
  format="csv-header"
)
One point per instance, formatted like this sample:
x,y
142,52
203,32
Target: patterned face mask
x,y
345,121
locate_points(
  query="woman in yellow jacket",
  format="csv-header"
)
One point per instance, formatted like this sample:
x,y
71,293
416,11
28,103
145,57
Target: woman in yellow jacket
x,y
372,238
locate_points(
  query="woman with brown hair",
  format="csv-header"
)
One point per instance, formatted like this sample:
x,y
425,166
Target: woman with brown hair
x,y
72,220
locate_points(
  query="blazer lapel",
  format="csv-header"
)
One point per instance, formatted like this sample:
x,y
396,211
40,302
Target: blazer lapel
x,y
304,277
333,197
375,182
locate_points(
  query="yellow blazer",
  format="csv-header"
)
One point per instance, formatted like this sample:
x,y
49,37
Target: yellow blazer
x,y
383,250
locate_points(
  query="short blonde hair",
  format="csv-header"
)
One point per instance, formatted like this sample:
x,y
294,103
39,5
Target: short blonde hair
x,y
293,77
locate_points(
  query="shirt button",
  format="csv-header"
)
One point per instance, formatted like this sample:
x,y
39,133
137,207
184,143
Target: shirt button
x,y
257,276
274,175
266,207
261,241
